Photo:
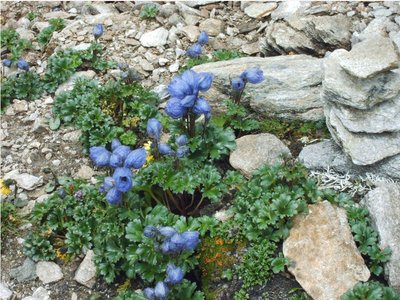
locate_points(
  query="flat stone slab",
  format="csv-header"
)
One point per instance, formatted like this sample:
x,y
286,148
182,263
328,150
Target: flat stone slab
x,y
322,253
342,88
383,204
370,57
154,38
254,151
291,88
26,272
48,272
363,149
259,9
86,273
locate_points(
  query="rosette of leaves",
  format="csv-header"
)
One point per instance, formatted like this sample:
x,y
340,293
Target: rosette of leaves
x,y
45,35
10,39
370,290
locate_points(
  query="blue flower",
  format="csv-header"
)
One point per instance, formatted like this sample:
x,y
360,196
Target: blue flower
x,y
174,108
167,231
114,196
188,101
116,160
122,151
194,51
7,62
136,159
150,231
107,185
253,75
178,242
78,194
62,193
123,179
201,106
192,79
115,143
165,149
23,65
174,274
237,84
203,38
181,140
161,290
182,151
98,31
154,128
205,81
191,239
178,88
149,293
166,247
100,156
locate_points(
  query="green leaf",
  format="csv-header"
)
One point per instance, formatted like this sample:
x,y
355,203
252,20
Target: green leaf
x,y
134,231
54,123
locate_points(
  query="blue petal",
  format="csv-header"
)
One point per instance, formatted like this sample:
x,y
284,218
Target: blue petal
x,y
192,79
122,151
100,156
123,179
136,159
154,129
205,81
116,160
178,241
107,185
191,239
253,75
114,196
165,149
188,101
149,293
167,231
98,30
178,88
174,109
161,290
203,38
237,84
7,62
174,274
201,107
194,51
23,65
182,151
115,143
150,231
181,140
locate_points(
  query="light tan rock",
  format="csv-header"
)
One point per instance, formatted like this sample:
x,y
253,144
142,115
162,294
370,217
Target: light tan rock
x,y
322,253
86,273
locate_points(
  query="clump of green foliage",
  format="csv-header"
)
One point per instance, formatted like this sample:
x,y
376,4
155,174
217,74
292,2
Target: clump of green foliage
x,y
370,290
45,35
10,220
31,16
221,55
149,11
11,40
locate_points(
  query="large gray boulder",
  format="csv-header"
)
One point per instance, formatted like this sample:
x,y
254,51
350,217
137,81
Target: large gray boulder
x,y
291,89
328,154
322,253
383,204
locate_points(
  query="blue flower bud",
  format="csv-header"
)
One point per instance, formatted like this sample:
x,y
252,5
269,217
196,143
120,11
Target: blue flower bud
x,y
237,84
7,62
122,151
203,38
61,193
188,101
182,151
114,197
181,140
178,242
205,81
178,88
201,106
253,75
107,184
194,51
98,31
154,129
136,159
191,239
23,65
100,156
123,179
115,143
165,149
166,247
116,160
174,274
150,231
78,194
167,231
161,290
192,79
174,108
149,293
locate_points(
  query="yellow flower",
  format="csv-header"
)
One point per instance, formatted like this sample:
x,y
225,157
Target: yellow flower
x,y
147,146
149,156
4,189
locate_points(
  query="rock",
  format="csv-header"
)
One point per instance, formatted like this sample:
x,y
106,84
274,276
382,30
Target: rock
x,y
20,106
48,272
252,48
370,57
40,125
72,136
5,292
192,32
24,23
323,255
167,10
254,151
289,8
81,47
291,89
102,8
384,207
124,6
342,88
377,27
395,37
363,149
86,273
69,85
173,68
25,180
199,2
383,117
382,12
154,38
40,25
212,26
57,15
25,33
328,154
84,172
259,10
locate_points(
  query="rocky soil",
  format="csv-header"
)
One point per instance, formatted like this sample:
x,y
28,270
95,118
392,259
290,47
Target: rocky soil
x,y
292,43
